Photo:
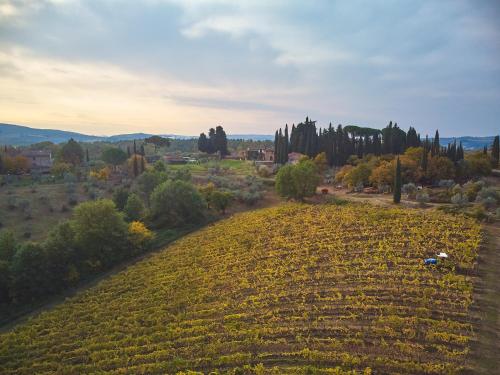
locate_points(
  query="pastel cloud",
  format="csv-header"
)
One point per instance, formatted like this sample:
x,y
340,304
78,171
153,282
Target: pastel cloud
x,y
183,65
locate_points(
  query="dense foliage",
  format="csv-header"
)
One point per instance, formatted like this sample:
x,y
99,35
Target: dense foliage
x,y
342,143
94,239
295,288
215,142
297,181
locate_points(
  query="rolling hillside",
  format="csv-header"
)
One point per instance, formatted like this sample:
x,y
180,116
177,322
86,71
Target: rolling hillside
x,y
291,289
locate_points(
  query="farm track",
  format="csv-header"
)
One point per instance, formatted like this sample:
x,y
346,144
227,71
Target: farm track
x,y
485,351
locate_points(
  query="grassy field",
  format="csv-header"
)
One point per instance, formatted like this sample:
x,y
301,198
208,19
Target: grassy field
x,y
31,211
240,167
290,289
44,209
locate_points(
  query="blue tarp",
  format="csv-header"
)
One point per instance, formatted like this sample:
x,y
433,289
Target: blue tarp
x,y
430,261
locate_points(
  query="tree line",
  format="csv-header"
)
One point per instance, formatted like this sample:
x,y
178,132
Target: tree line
x,y
340,143
215,142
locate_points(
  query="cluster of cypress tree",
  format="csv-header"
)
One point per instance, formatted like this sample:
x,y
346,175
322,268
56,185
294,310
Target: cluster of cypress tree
x,y
281,146
215,142
341,142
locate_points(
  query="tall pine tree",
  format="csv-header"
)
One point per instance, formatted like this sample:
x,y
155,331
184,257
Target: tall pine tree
x,y
397,183
495,152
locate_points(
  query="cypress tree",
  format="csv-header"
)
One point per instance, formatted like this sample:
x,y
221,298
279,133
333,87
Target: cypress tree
x,y
397,183
286,145
143,165
495,151
87,155
276,147
425,159
220,141
485,150
460,152
211,141
203,143
128,151
436,147
142,150
135,148
136,167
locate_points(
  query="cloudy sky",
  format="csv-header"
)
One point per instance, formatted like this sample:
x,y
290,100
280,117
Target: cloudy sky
x,y
181,66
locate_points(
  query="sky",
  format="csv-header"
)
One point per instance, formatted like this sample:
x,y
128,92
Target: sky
x,y
182,66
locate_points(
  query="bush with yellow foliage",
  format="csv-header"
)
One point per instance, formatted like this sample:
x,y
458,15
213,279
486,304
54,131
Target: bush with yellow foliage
x,y
139,236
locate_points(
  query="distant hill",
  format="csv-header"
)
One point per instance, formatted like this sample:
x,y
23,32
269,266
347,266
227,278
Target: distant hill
x,y
18,135
469,143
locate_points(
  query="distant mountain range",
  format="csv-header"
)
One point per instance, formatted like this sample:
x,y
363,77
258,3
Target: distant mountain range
x,y
18,135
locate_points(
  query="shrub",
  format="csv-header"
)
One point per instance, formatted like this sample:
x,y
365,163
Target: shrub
x,y
62,256
440,168
485,193
139,236
160,166
459,199
100,231
359,175
472,188
409,189
72,200
12,202
29,273
332,199
478,213
181,174
175,203
220,200
120,197
297,181
114,156
263,171
250,198
422,198
134,209
149,180
61,168
8,245
488,202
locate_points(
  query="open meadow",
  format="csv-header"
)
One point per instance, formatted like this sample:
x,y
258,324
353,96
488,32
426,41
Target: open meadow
x,y
289,289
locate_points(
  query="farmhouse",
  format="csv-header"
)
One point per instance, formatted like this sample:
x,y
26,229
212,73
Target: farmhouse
x,y
260,154
40,161
152,158
294,157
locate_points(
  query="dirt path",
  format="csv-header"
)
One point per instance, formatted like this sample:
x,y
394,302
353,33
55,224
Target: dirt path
x,y
485,352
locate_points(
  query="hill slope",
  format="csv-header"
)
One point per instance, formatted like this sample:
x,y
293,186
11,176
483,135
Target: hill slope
x,y
294,287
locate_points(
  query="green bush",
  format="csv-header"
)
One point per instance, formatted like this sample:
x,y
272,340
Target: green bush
x,y
100,232
120,197
134,209
297,181
175,203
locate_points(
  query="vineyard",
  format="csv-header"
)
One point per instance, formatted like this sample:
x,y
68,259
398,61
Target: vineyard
x,y
290,289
